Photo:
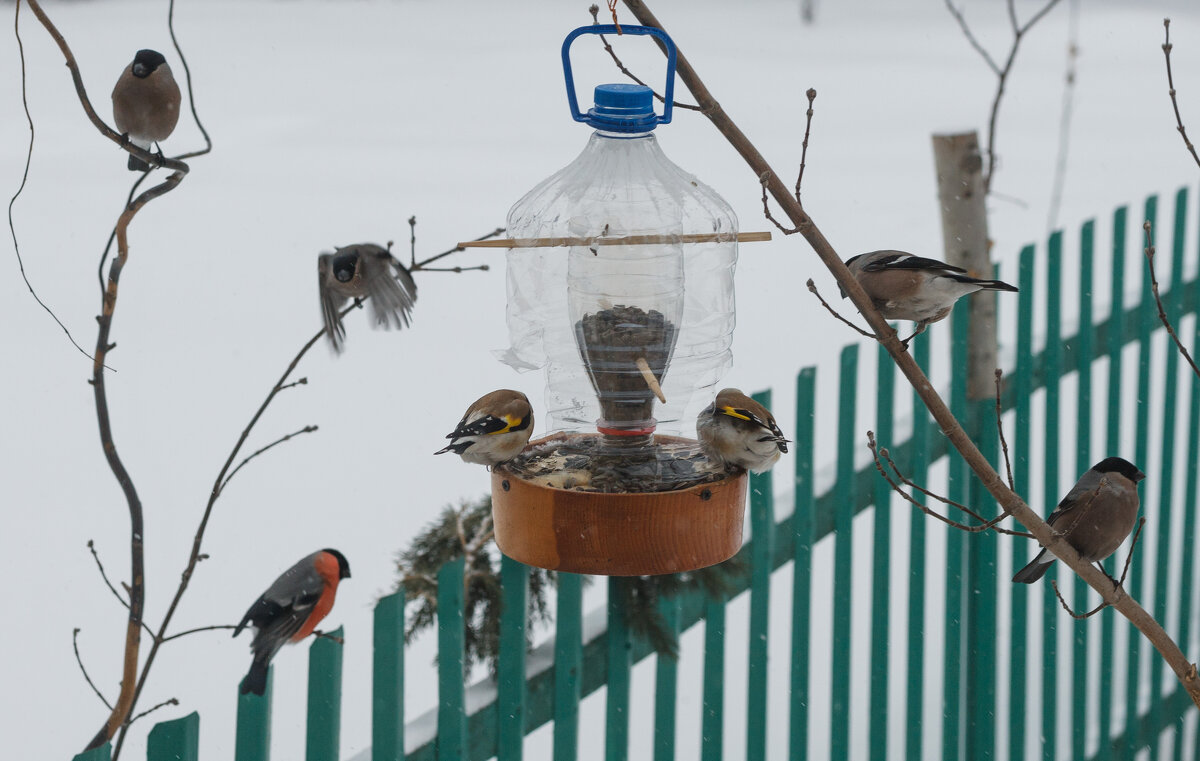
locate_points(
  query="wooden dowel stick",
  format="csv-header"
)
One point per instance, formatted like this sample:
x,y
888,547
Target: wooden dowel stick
x,y
628,240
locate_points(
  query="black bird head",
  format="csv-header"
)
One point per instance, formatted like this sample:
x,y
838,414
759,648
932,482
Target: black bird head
x,y
1119,465
146,61
343,564
344,266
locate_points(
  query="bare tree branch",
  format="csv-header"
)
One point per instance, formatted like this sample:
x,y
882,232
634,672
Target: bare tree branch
x,y
811,94
1009,501
1001,72
1167,46
1000,430
812,287
197,630
148,711
24,179
1066,110
275,443
1162,313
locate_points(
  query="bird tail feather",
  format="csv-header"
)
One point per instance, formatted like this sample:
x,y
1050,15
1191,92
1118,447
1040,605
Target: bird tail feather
x,y
136,164
1034,571
256,678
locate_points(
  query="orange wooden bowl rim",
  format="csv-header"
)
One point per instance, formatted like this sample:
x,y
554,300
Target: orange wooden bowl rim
x,y
627,534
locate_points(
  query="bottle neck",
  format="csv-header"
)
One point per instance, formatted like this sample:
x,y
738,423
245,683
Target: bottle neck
x,y
623,135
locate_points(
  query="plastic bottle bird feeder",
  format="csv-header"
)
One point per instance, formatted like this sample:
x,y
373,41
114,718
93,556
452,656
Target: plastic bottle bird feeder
x,y
620,284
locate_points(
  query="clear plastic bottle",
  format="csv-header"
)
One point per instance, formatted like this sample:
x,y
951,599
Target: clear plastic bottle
x,y
589,312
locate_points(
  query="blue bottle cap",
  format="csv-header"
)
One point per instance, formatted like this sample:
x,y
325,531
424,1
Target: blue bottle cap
x,y
623,108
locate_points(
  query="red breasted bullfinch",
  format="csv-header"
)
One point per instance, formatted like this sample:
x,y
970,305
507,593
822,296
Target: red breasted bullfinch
x,y
907,287
1095,516
737,431
494,429
358,271
146,103
290,610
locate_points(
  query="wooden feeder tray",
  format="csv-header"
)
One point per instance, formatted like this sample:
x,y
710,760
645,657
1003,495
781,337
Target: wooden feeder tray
x,y
618,534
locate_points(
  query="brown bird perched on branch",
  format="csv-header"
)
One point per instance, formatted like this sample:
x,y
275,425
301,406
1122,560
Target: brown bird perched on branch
x,y
146,103
1095,516
290,610
736,430
493,430
907,287
359,271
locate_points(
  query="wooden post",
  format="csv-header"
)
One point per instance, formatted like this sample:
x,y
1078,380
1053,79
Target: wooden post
x,y
965,241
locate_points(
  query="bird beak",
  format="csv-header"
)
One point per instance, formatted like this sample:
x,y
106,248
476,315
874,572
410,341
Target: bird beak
x,y
139,70
1140,475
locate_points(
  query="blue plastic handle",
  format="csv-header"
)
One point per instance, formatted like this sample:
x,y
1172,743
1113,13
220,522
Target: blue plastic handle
x,y
668,93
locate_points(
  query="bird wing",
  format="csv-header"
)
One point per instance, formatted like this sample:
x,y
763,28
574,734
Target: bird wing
x,y
486,424
903,261
1081,495
390,285
282,609
331,303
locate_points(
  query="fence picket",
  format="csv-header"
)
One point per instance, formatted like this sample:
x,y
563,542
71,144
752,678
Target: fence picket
x,y
762,529
1051,495
920,458
847,439
666,678
253,739
1138,581
802,528
1112,445
616,725
881,561
1022,381
175,740
452,717
510,698
953,643
324,698
387,685
1080,681
568,670
712,721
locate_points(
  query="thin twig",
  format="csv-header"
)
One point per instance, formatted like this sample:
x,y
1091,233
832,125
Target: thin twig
x,y
422,266
275,443
966,30
595,10
1118,585
813,288
1171,89
1000,430
187,74
983,524
300,382
215,627
148,711
1066,110
24,179
79,660
811,94
412,242
767,209
1162,312
92,547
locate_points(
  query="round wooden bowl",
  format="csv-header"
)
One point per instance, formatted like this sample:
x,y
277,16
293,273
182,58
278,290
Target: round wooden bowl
x,y
638,534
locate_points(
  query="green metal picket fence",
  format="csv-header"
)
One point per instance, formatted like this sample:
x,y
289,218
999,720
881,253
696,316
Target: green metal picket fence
x,y
1007,672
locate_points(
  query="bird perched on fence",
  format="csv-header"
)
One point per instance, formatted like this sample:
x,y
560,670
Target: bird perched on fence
x,y
1095,516
290,610
493,430
359,271
907,287
146,103
736,430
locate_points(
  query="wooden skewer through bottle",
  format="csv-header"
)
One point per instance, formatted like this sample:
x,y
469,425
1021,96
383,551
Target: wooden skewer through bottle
x,y
651,381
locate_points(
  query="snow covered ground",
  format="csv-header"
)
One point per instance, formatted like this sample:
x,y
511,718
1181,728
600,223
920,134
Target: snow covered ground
x,y
333,123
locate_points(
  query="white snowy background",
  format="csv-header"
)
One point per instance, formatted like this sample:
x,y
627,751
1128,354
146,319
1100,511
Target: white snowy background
x,y
333,123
